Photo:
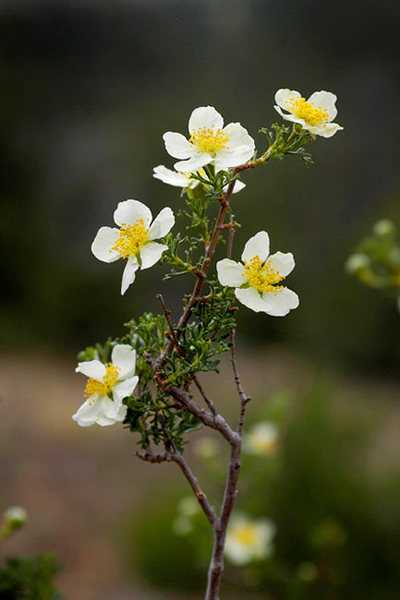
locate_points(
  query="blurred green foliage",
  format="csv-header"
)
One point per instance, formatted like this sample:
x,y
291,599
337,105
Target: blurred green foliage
x,y
337,519
29,578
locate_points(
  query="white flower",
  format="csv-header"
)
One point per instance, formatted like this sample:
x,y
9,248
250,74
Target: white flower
x,y
315,114
262,439
256,281
107,386
134,239
209,141
248,540
185,180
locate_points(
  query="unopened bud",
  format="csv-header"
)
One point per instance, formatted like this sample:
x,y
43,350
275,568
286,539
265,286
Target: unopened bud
x,y
15,517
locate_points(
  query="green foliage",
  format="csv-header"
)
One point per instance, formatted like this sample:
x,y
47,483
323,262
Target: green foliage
x,y
163,558
377,259
29,578
336,524
285,141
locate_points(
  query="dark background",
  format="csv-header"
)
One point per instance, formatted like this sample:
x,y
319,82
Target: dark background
x,y
90,87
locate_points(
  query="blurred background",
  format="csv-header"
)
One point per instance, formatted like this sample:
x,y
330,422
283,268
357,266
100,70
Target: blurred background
x,y
88,90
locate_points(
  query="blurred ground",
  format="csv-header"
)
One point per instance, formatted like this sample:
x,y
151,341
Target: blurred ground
x,y
77,484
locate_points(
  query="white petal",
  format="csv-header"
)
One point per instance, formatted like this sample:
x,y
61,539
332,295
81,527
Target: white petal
x,y
279,304
87,413
92,368
282,262
124,389
177,145
197,160
325,100
283,96
205,116
151,253
171,177
238,136
129,273
123,356
225,159
258,245
250,298
110,412
162,224
130,211
103,243
289,116
240,147
230,273
239,185
326,131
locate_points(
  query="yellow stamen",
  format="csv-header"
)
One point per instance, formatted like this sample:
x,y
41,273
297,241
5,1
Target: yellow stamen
x,y
102,388
208,140
312,115
261,276
131,238
246,535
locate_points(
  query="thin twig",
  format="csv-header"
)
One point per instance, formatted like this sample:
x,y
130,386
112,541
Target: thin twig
x,y
167,313
244,398
206,399
178,458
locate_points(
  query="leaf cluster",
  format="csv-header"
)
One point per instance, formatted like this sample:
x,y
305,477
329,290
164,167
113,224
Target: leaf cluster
x,y
284,141
377,258
29,578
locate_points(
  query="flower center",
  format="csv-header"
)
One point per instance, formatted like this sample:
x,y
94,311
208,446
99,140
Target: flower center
x,y
131,238
102,388
208,140
246,535
312,115
261,276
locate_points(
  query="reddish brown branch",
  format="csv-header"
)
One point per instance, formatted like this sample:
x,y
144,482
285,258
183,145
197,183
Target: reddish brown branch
x,y
176,457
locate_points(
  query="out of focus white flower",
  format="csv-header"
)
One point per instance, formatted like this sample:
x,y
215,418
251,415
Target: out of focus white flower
x,y
356,262
384,227
248,540
207,448
107,386
135,238
209,142
262,439
315,114
257,279
185,180
182,525
188,506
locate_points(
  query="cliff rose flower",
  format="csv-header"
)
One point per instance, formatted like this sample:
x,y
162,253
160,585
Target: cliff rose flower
x,y
257,280
315,114
209,142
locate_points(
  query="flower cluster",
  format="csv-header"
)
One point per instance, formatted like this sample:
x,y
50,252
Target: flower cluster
x,y
213,155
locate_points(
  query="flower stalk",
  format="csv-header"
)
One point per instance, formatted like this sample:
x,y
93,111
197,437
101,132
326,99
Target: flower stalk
x,y
154,370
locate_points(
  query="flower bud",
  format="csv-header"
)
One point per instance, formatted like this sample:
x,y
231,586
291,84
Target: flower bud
x,y
15,517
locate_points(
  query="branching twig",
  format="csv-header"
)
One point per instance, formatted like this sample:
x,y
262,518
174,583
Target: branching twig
x,y
176,457
206,399
244,398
